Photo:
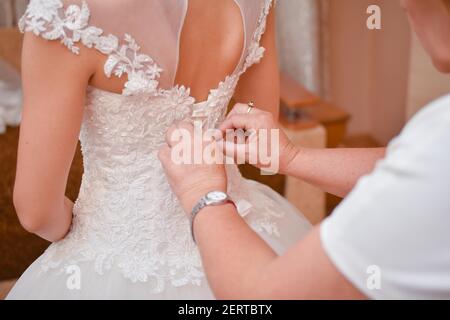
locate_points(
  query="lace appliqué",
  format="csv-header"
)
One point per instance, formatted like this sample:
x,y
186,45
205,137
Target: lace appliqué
x,y
262,219
48,19
256,51
126,216
215,108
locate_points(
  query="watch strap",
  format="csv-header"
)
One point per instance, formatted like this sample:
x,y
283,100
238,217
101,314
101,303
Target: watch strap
x,y
203,203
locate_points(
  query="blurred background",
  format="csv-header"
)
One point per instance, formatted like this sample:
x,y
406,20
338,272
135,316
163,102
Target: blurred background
x,y
343,85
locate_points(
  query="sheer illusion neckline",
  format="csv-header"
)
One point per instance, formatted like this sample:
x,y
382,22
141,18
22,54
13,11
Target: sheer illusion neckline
x,y
148,72
180,34
173,82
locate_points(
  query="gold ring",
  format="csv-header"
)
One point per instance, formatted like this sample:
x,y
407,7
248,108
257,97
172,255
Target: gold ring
x,y
251,105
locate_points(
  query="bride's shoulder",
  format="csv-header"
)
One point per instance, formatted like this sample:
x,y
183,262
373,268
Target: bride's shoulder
x,y
67,21
47,24
49,18
49,8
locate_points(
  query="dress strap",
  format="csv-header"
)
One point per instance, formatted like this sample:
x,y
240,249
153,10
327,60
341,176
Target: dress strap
x,y
51,20
255,51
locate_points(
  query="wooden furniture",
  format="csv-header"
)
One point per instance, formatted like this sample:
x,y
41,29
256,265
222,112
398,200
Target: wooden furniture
x,y
307,132
302,110
360,141
293,95
333,118
11,46
298,103
5,287
310,200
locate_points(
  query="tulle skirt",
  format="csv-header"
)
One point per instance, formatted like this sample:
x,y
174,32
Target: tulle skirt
x,y
54,284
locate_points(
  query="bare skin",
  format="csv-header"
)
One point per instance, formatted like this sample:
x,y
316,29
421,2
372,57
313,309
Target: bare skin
x,y
49,135
55,83
333,170
239,265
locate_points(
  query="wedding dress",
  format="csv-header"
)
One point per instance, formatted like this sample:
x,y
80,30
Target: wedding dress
x,y
130,238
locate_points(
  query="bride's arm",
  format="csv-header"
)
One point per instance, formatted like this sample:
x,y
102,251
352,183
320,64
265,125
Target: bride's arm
x,y
54,90
261,83
238,263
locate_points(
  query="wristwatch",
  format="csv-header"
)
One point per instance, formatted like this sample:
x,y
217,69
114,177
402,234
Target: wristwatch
x,y
214,198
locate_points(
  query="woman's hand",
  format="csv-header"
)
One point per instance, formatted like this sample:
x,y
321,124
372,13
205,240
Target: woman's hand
x,y
266,146
191,177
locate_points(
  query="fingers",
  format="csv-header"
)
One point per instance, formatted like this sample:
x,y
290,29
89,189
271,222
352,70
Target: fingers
x,y
237,152
175,132
240,118
236,121
170,135
262,120
164,154
242,108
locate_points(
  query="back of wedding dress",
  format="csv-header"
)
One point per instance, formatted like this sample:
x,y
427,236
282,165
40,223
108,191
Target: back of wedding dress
x,y
140,37
128,227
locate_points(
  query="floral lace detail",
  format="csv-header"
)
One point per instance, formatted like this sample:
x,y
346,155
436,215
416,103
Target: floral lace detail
x,y
126,216
48,19
215,108
256,51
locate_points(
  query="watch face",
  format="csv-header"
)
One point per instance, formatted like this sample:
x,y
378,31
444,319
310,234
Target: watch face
x,y
217,196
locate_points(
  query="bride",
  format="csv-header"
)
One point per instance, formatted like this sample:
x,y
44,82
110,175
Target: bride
x,y
116,74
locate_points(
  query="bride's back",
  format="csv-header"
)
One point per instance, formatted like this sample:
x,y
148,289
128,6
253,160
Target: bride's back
x,y
195,43
126,216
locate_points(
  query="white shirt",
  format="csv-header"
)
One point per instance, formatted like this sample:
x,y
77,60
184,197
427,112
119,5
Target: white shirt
x,y
391,236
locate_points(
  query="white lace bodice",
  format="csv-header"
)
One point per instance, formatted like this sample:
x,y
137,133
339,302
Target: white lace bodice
x,y
126,215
